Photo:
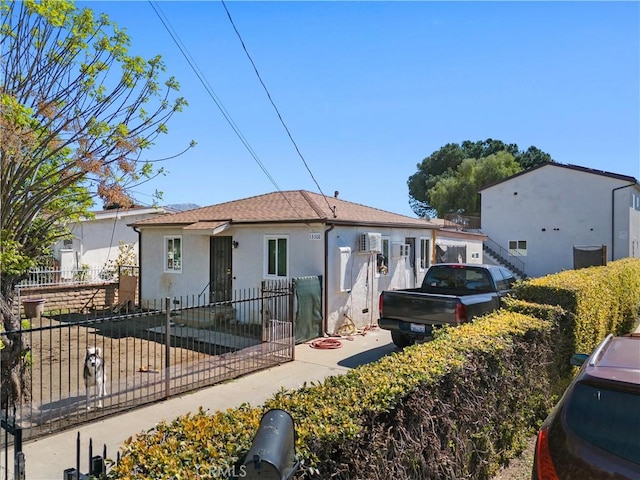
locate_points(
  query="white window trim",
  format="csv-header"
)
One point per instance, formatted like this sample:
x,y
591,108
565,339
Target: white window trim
x,y
266,274
166,253
518,252
427,258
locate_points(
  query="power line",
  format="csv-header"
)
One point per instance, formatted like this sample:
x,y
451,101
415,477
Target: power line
x,y
193,64
255,69
209,89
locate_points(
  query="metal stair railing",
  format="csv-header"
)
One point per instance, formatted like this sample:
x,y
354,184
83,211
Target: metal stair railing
x,y
505,257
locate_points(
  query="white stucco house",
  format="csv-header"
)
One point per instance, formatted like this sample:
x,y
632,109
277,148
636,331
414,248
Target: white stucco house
x,y
95,239
542,213
357,250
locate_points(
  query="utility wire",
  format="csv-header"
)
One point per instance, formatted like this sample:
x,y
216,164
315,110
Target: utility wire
x,y
192,63
207,87
255,69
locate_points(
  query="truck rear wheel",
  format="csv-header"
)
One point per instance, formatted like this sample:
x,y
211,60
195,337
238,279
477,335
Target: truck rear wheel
x,y
401,340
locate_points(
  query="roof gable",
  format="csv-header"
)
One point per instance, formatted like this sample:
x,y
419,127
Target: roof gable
x,y
294,206
576,168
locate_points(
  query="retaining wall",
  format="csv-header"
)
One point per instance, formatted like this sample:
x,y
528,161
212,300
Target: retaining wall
x,y
76,298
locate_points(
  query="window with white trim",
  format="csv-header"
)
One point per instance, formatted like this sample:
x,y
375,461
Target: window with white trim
x,y
425,253
518,248
276,256
173,254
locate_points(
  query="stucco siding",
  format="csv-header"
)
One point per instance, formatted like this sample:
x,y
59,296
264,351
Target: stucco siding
x,y
193,278
305,252
554,209
634,223
473,247
97,241
352,282
354,289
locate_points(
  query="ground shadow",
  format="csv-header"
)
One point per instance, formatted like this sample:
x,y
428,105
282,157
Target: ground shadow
x,y
368,356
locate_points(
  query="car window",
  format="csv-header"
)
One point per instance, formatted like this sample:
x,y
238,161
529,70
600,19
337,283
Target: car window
x,y
458,278
609,419
501,283
508,277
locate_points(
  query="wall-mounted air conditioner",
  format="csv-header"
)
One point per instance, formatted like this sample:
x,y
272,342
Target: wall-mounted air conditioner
x,y
370,242
400,250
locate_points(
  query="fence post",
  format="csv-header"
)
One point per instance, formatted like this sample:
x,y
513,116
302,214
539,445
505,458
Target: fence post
x,y
167,346
8,424
292,317
19,458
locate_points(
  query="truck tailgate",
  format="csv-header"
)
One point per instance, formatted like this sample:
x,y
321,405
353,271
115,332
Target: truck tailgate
x,y
424,308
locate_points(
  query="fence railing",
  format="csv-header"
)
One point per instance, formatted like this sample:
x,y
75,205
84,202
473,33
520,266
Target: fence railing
x,y
462,222
43,277
168,348
507,257
46,277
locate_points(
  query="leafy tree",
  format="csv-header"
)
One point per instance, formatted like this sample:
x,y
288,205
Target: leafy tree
x,y
438,165
77,111
443,164
458,193
532,157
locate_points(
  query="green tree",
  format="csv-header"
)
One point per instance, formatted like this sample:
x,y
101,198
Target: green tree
x,y
444,163
438,165
458,193
77,111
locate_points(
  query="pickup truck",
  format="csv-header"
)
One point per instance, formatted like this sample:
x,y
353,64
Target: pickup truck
x,y
451,294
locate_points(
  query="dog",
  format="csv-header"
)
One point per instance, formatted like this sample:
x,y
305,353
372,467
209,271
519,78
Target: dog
x,y
95,375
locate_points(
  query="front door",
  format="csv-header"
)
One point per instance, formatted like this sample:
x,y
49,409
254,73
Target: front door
x,y
220,272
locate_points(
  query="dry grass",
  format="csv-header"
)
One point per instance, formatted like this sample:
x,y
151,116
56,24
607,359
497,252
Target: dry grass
x,y
520,467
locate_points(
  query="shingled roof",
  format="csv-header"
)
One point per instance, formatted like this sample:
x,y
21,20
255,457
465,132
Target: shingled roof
x,y
294,206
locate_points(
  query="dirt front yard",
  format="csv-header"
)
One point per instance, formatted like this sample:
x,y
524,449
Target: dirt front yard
x,y
135,358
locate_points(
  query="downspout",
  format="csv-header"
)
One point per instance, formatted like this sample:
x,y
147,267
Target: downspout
x,y
139,264
325,280
613,217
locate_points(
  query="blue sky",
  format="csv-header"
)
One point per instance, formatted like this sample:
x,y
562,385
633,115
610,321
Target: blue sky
x,y
369,89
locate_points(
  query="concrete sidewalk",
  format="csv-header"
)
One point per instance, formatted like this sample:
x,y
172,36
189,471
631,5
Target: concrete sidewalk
x,y
48,457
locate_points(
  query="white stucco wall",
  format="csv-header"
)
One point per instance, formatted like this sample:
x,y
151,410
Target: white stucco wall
x,y
554,208
352,283
473,246
353,291
96,241
358,299
306,257
634,223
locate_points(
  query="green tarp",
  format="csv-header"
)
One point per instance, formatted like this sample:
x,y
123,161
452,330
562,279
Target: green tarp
x,y
308,291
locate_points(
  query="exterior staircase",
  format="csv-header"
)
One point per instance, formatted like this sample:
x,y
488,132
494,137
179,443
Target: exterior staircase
x,y
499,255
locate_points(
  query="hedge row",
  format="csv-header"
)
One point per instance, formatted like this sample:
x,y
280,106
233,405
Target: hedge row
x,y
455,407
602,300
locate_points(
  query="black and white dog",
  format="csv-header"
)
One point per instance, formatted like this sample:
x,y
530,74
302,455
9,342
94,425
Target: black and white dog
x,y
95,375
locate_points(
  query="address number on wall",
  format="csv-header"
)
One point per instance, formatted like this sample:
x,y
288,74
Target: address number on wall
x,y
315,236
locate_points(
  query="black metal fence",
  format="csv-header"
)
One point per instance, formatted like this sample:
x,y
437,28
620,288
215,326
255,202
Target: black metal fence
x,y
97,465
151,353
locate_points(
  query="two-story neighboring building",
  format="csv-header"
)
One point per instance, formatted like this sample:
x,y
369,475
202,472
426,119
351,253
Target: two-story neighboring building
x,y
358,251
543,213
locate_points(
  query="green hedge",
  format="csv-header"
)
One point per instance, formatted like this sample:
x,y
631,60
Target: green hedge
x,y
603,299
455,407
562,327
